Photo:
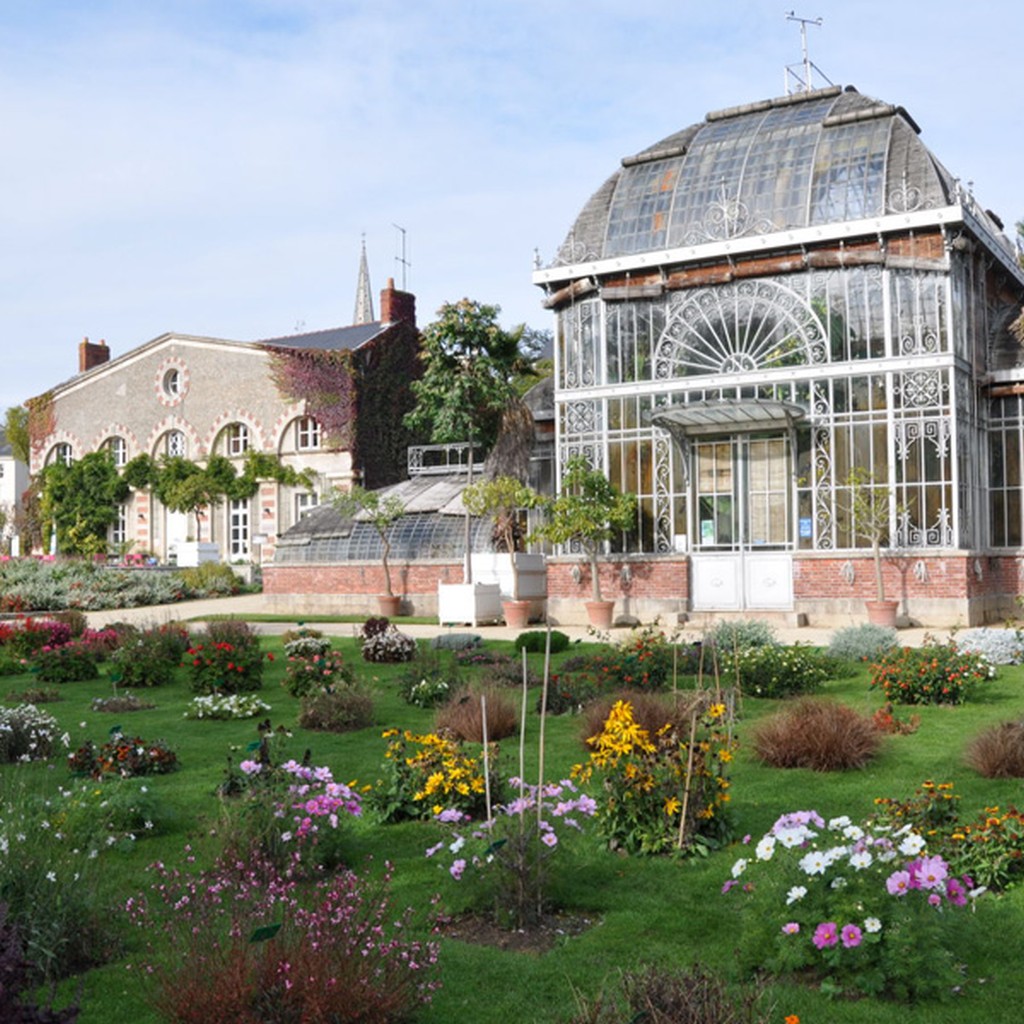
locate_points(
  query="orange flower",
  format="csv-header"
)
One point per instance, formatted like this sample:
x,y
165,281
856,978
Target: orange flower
x,y
792,1019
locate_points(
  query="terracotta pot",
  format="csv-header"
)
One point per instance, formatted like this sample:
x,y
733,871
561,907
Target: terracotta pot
x,y
517,613
882,613
389,605
600,613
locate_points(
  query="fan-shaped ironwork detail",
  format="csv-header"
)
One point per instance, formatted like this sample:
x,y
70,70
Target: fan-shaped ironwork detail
x,y
739,328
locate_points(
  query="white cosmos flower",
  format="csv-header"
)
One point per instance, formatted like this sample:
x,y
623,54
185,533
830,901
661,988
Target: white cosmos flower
x,y
853,833
766,848
798,892
840,822
911,845
872,924
813,863
739,867
861,860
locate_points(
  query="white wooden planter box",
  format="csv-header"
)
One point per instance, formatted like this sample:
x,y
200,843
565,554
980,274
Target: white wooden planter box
x,y
468,603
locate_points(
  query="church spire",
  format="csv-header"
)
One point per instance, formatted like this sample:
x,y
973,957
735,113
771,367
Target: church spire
x,y
364,298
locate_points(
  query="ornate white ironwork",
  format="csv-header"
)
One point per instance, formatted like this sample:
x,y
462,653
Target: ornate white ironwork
x,y
727,217
917,336
736,328
910,432
847,573
921,388
663,519
905,198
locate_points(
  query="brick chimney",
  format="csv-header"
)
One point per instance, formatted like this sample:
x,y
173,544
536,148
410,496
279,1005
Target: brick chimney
x,y
90,355
396,305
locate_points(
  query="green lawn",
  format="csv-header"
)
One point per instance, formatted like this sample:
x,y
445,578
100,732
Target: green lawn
x,y
648,910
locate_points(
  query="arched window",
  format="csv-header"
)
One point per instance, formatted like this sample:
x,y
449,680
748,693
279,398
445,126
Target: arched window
x,y
236,439
118,448
60,452
175,443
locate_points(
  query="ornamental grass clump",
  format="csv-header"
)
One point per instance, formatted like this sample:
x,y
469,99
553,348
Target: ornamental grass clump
x,y
866,909
509,853
244,942
425,774
467,710
822,735
667,789
932,674
343,709
998,751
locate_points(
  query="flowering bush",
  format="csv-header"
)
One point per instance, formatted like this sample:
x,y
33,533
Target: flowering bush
x,y
26,734
305,676
242,941
865,908
663,789
226,705
223,667
388,646
427,774
26,637
569,692
307,646
342,709
933,674
769,670
887,719
998,646
68,663
124,756
144,659
510,851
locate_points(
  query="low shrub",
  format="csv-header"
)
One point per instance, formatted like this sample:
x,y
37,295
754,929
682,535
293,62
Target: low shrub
x,y
774,671
26,637
226,706
666,995
125,756
34,696
425,774
817,734
569,693
68,663
388,646
998,752
341,709
864,642
932,674
456,641
463,716
997,646
739,634
304,677
374,626
144,660
990,849
307,646
508,672
74,618
299,633
26,734
121,702
211,579
226,659
431,681
534,641
117,812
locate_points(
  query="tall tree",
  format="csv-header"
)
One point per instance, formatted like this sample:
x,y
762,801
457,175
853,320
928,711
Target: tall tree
x,y
470,366
16,431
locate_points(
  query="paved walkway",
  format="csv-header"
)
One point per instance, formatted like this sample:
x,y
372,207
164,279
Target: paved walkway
x,y
255,604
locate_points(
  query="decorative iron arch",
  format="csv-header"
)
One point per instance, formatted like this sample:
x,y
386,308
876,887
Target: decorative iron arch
x,y
739,328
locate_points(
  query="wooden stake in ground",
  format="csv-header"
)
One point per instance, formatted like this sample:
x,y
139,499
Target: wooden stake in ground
x,y
689,777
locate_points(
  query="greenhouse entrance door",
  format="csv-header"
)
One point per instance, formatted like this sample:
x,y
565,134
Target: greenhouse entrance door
x,y
742,530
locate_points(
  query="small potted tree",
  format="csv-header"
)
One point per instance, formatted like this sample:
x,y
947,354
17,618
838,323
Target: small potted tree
x,y
588,510
503,498
871,521
381,512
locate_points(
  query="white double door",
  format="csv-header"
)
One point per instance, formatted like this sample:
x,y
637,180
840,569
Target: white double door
x,y
742,533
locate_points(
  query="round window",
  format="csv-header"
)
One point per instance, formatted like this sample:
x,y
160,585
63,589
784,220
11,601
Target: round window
x,y
173,383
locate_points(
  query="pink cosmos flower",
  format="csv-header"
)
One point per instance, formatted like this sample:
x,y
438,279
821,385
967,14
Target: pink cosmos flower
x,y
457,868
851,936
826,934
898,883
728,885
932,873
955,892
791,928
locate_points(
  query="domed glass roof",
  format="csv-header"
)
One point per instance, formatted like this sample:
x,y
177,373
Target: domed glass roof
x,y
814,158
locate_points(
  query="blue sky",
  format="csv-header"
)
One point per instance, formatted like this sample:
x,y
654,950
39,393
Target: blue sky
x,y
211,167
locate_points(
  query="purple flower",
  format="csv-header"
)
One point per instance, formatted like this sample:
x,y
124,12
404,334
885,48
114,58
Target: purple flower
x,y
955,892
549,839
457,868
791,928
826,934
851,936
935,899
898,883
932,873
728,885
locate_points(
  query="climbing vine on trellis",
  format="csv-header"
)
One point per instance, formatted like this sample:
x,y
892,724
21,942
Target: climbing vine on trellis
x,y
324,379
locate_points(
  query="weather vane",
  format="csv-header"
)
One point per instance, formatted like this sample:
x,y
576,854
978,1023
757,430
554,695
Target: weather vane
x,y
803,82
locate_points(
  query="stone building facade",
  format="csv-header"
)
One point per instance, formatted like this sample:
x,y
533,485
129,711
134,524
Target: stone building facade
x,y
195,396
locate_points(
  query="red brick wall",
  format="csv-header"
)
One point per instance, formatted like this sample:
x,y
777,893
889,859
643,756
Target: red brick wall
x,y
669,578
407,580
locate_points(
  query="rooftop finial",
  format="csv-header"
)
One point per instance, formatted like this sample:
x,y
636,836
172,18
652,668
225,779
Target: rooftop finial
x,y
364,297
802,75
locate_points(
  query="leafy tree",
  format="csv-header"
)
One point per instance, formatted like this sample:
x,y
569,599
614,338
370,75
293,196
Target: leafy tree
x,y
589,510
380,511
470,367
16,431
80,500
